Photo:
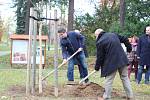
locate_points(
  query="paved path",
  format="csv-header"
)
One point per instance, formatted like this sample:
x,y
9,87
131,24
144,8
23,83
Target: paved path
x,y
2,53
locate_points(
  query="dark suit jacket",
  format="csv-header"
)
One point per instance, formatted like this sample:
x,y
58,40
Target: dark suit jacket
x,y
110,54
143,50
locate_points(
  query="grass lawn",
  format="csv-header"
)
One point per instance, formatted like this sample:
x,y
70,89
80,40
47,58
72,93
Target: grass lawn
x,y
10,77
4,47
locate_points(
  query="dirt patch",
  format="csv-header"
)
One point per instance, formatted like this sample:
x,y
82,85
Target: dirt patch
x,y
91,90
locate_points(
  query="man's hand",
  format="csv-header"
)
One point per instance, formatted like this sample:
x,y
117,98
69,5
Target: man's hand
x,y
97,68
129,49
138,58
64,61
80,49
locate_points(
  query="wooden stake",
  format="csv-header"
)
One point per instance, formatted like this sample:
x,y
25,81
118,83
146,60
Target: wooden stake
x,y
28,85
40,64
33,79
56,55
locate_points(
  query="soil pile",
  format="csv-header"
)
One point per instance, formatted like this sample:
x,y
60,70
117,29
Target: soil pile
x,y
91,90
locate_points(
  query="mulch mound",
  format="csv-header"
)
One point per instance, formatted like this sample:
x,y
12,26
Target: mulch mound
x,y
91,90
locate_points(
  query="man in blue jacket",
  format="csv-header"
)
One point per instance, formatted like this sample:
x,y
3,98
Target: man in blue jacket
x,y
112,58
71,42
143,52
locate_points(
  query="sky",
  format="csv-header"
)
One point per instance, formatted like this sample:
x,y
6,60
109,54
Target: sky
x,y
84,6
5,9
8,15
81,7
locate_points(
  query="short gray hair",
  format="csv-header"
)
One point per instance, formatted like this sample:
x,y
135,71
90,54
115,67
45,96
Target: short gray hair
x,y
99,30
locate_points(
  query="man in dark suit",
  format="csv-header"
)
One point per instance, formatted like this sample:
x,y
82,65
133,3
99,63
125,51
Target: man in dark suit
x,y
112,58
143,52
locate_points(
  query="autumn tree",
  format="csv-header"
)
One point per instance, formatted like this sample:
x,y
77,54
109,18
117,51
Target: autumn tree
x,y
1,28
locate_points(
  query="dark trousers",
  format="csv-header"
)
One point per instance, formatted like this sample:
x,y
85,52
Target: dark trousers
x,y
133,67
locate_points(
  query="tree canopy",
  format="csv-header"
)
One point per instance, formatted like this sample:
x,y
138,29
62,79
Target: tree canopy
x,y
22,10
137,16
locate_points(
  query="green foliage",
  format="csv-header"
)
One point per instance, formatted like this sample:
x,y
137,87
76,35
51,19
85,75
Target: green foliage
x,y
82,23
136,18
4,47
20,13
88,24
22,7
1,25
16,79
45,29
11,77
2,28
105,17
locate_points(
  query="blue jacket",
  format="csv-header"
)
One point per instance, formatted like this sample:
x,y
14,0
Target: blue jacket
x,y
143,50
71,43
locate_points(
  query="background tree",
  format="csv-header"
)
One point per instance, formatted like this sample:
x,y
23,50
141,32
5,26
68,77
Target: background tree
x,y
23,9
2,29
71,15
136,18
27,14
122,14
86,24
22,13
63,6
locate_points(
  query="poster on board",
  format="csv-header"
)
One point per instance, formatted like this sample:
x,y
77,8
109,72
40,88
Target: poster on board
x,y
20,52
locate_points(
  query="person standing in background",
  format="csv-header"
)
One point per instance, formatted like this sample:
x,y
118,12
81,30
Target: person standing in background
x,y
132,57
143,53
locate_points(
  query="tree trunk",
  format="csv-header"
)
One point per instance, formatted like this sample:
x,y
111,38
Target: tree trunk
x,y
27,18
71,15
122,13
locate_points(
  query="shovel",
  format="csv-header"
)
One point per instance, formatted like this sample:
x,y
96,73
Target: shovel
x,y
87,76
61,64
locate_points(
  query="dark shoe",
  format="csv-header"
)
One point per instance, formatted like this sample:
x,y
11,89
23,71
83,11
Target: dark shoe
x,y
71,83
147,83
86,83
137,82
87,80
130,99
